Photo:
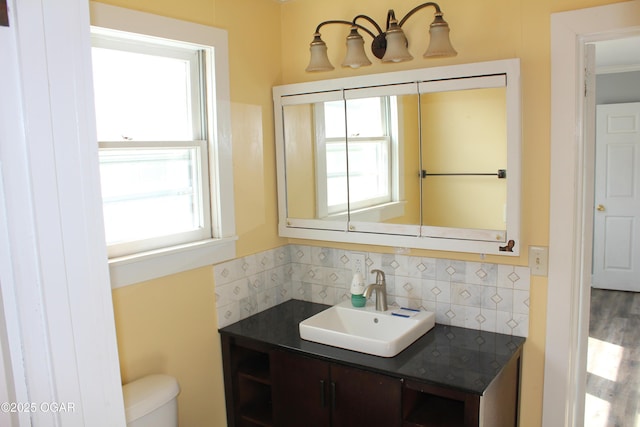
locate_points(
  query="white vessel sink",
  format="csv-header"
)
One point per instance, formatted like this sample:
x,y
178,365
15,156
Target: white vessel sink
x,y
366,330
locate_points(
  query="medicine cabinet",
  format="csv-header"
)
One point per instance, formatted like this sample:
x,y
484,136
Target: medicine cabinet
x,y
425,158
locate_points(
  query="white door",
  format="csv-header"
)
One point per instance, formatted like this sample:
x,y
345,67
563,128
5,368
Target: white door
x,y
616,246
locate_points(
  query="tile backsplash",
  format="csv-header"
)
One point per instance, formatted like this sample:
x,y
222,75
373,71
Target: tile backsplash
x,y
476,295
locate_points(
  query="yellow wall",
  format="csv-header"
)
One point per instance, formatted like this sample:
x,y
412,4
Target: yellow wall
x,y
168,325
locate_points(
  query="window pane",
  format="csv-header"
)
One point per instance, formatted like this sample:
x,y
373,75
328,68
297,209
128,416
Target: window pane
x,y
150,192
368,171
336,176
368,174
141,97
334,119
365,117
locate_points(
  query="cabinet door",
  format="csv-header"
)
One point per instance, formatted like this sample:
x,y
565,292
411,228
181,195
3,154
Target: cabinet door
x,y
362,398
309,392
300,390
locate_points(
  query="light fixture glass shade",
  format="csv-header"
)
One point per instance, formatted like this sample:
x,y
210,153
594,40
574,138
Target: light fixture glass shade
x,y
396,44
355,57
439,44
319,60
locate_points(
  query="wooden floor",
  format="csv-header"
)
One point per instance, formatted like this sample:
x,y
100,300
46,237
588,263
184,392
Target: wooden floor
x,y
613,366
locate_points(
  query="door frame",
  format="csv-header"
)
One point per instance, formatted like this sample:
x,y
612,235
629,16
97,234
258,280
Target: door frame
x,y
57,330
570,222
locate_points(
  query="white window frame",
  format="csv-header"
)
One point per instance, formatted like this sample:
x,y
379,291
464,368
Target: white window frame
x,y
196,58
126,270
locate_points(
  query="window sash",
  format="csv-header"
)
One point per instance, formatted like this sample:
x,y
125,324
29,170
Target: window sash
x,y
201,197
196,88
193,55
381,147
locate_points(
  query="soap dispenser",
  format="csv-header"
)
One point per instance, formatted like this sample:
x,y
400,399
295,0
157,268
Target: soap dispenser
x,y
357,289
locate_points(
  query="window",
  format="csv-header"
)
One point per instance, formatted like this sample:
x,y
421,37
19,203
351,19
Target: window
x,y
162,120
151,118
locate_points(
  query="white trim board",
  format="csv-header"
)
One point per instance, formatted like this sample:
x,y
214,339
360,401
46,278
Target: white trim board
x,y
55,285
569,262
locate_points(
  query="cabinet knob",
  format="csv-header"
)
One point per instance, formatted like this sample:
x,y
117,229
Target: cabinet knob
x,y
601,208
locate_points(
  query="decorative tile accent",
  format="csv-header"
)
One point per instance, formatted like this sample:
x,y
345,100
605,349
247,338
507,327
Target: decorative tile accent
x,y
442,308
482,296
524,278
369,262
428,306
520,302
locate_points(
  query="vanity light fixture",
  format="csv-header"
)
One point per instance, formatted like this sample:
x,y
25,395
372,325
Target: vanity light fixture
x,y
389,45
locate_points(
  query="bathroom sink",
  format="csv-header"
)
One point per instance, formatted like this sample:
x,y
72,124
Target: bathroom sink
x,y
380,333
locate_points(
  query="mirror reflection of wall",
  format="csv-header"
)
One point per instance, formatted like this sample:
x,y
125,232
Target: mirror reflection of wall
x,y
464,132
300,159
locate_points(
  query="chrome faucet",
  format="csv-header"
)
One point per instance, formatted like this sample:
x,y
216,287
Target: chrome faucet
x,y
381,290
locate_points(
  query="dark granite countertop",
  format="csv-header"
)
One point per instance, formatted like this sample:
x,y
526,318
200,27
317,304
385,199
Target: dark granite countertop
x,y
459,358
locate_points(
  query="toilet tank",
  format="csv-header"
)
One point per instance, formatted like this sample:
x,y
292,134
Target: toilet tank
x,y
151,401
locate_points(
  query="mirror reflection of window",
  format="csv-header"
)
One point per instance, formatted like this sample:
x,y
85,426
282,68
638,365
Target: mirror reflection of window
x,y
361,178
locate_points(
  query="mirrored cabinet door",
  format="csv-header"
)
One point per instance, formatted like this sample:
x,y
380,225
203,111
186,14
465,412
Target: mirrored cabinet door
x,y
383,142
464,157
314,148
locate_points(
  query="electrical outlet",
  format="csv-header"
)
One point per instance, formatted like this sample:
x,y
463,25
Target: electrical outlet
x,y
539,260
358,264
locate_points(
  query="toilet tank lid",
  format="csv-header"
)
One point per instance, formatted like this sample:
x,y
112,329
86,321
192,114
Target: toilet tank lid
x,y
148,394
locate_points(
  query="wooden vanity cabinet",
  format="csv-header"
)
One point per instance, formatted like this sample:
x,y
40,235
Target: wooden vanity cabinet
x,y
315,393
268,384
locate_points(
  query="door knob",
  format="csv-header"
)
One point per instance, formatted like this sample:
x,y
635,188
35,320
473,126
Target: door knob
x,y
600,208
